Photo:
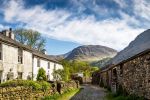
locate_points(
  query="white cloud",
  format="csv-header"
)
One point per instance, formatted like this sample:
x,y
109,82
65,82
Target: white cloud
x,y
121,3
3,27
142,8
115,33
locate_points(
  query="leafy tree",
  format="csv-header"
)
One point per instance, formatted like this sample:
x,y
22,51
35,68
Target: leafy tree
x,y
41,76
31,38
57,74
65,72
76,67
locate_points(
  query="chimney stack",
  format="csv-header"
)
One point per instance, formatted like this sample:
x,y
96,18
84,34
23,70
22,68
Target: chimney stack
x,y
44,51
11,34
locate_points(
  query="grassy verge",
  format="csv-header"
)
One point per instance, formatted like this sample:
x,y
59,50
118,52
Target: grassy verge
x,y
65,96
112,96
68,95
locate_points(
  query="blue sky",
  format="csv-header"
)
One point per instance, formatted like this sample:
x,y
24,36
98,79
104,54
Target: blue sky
x,y
67,24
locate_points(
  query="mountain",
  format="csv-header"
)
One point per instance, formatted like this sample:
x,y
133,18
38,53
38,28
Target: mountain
x,y
140,44
100,63
90,53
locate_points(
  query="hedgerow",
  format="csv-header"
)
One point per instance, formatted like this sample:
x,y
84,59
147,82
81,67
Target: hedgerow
x,y
42,85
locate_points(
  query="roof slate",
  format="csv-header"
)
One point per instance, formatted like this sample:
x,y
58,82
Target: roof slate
x,y
8,40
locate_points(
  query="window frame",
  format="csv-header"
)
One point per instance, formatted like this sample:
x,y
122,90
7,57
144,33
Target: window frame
x,y
1,52
20,56
48,65
38,62
121,69
20,75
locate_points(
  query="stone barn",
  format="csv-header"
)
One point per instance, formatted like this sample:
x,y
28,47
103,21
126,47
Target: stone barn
x,y
96,77
130,68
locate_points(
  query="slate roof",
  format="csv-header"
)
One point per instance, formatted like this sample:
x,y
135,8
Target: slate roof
x,y
8,41
140,45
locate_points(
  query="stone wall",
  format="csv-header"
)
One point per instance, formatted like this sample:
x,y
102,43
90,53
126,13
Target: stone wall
x,y
136,76
96,78
27,93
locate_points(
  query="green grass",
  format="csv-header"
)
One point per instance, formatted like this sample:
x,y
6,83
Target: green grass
x,y
68,95
65,96
112,96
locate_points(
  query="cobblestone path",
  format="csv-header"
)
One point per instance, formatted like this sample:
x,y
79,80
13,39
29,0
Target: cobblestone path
x,y
90,92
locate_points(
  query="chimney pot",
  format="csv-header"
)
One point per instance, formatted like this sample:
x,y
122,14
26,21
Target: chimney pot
x,y
10,29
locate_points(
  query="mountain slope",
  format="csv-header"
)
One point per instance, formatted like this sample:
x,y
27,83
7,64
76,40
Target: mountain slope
x,y
140,44
91,53
100,63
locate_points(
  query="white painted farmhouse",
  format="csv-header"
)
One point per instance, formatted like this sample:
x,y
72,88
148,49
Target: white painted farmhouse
x,y
18,61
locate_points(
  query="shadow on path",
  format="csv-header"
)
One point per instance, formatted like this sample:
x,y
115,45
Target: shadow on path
x,y
90,92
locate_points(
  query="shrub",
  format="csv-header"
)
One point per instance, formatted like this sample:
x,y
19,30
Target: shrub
x,y
27,83
41,76
44,85
101,83
108,88
35,85
120,90
134,97
115,96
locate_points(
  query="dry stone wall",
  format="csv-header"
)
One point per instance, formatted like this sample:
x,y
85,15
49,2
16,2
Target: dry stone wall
x,y
27,93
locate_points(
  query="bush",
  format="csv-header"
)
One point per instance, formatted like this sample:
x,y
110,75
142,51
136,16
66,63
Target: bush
x,y
108,88
134,97
115,96
27,83
44,85
35,85
41,76
101,83
120,90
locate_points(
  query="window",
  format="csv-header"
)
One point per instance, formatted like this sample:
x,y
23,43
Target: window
x,y
115,72
48,65
38,62
0,51
48,77
20,56
54,67
121,69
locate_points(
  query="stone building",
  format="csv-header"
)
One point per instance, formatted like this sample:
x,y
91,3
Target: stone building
x,y
18,61
130,68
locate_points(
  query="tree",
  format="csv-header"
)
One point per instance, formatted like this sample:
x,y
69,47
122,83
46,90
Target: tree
x,y
31,38
41,75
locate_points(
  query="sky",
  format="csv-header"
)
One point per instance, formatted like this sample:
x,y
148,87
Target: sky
x,y
67,24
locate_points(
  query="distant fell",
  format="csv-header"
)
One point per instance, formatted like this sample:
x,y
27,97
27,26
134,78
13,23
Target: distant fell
x,y
91,53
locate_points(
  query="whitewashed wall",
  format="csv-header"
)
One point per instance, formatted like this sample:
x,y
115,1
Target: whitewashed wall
x,y
51,70
59,66
35,68
10,60
27,64
44,65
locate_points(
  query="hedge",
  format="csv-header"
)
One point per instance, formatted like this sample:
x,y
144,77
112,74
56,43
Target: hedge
x,y
42,85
